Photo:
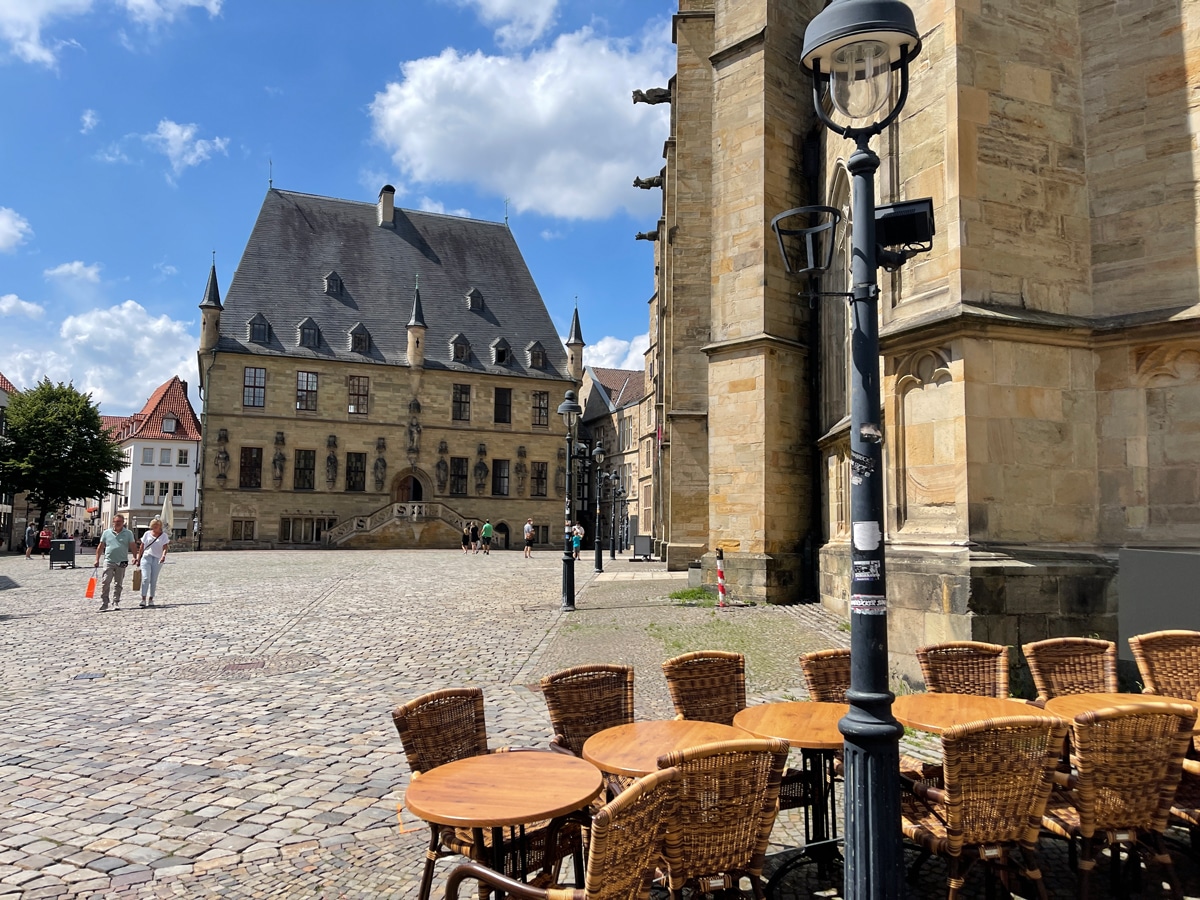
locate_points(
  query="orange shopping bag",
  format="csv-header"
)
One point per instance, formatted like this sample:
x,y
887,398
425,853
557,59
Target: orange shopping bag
x,y
91,588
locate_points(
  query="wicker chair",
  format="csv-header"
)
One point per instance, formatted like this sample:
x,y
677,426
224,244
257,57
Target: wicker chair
x,y
447,725
827,673
1169,662
998,774
627,841
1072,665
965,667
707,686
1127,762
728,800
586,699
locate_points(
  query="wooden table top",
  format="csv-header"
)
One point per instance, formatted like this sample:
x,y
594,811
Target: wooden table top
x,y
1070,705
811,725
938,712
634,749
513,788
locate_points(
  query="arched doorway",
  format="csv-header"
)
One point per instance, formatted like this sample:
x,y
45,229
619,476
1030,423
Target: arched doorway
x,y
408,487
502,536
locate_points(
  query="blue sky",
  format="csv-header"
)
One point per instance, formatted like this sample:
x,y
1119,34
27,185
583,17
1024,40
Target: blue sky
x,y
138,133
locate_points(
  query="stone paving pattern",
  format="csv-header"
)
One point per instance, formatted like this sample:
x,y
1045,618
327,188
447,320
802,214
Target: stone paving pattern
x,y
236,742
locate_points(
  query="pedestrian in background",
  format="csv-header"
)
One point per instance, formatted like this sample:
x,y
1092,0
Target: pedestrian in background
x,y
115,545
150,555
466,539
474,537
576,539
529,539
30,540
485,535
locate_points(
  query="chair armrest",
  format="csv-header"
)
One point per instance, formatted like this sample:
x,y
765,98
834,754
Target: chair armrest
x,y
559,745
1039,702
1064,779
1191,767
490,877
928,792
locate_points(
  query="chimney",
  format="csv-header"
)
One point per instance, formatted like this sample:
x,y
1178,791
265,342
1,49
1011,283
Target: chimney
x,y
386,206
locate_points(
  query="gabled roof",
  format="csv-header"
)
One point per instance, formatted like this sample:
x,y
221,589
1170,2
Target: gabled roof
x,y
6,385
168,399
623,387
297,238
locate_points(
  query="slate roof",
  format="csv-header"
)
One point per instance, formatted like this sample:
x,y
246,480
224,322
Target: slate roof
x,y
299,238
170,397
6,385
624,387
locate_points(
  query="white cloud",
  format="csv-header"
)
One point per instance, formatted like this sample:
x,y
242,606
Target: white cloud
x,y
166,269
74,271
112,154
552,235
437,206
88,121
614,353
181,146
12,305
555,130
23,21
521,22
14,229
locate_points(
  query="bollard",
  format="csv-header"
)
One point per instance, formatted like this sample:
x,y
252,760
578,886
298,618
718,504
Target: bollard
x,y
720,577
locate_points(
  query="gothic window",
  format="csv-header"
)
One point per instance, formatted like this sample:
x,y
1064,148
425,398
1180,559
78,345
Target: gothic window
x,y
250,468
356,471
503,406
306,390
458,475
538,478
254,390
461,408
305,475
500,477
359,390
541,407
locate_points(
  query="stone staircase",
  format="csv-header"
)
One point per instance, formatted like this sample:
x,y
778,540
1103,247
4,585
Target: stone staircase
x,y
418,512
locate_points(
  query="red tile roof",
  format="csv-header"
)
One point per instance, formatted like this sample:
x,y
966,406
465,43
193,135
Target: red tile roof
x,y
623,386
6,385
170,398
114,425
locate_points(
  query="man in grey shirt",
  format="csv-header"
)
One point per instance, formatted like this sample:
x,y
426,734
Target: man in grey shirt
x,y
114,545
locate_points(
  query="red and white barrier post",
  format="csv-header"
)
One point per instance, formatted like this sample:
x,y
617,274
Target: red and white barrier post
x,y
720,577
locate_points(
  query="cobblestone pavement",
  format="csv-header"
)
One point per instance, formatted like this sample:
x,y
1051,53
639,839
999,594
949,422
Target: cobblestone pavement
x,y
236,742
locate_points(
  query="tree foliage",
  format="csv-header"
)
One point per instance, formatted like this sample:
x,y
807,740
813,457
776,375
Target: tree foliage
x,y
56,447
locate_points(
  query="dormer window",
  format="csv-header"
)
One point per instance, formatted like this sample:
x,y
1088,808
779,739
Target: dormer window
x,y
310,334
260,330
501,352
360,339
537,355
474,300
169,423
460,348
333,284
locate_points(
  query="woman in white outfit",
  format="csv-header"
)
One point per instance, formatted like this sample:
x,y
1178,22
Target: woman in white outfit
x,y
150,558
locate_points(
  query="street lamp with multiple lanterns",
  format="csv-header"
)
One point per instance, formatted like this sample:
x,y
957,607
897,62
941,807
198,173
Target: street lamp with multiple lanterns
x,y
598,460
570,410
854,50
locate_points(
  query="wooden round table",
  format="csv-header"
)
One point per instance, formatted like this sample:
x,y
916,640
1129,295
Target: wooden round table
x,y
634,749
813,728
938,712
499,790
1070,705
513,788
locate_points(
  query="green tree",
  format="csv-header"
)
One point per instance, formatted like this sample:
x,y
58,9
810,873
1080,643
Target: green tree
x,y
56,447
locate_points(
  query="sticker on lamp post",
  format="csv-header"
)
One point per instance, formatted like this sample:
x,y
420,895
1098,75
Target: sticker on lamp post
x,y
866,570
868,604
866,535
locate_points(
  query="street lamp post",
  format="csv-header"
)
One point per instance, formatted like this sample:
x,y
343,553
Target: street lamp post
x,y
852,48
617,493
597,459
570,410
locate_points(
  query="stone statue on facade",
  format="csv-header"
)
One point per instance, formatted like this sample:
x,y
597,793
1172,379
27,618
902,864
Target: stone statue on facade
x,y
222,463
414,436
646,183
481,474
646,235
442,470
652,96
522,471
380,472
278,461
331,468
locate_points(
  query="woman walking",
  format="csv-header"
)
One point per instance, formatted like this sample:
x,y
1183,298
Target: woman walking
x,y
150,558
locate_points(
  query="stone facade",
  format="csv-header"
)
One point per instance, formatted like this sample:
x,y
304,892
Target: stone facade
x,y
396,440
619,413
1040,366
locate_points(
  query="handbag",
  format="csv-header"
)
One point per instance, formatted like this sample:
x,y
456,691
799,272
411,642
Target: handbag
x,y
90,593
137,579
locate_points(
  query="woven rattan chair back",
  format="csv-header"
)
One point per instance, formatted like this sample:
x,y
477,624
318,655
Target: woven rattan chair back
x,y
708,685
827,673
1169,662
998,777
1128,761
441,727
586,699
965,667
1072,665
628,837
728,800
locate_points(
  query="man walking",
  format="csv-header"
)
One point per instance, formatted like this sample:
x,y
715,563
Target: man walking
x,y
31,537
115,545
486,534
529,539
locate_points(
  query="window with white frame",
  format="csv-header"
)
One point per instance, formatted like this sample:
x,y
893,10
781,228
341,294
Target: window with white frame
x,y
148,493
182,458
147,456
164,456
